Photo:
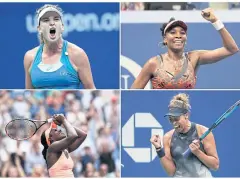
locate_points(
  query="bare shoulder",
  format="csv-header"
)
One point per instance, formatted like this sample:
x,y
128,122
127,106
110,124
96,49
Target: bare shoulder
x,y
152,62
194,57
75,51
168,135
30,55
201,129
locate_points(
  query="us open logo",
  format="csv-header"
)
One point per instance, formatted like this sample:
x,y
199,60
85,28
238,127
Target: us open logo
x,y
140,120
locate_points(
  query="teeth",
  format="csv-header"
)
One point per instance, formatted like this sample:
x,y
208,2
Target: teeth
x,y
176,126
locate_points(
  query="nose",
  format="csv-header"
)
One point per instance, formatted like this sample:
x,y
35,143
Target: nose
x,y
178,35
52,22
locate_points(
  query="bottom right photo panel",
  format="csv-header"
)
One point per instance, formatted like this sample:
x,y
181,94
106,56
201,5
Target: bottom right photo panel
x,y
180,133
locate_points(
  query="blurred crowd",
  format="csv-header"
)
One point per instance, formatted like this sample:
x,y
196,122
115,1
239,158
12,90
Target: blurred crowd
x,y
140,6
96,112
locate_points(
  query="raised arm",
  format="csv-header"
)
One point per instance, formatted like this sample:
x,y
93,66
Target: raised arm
x,y
81,61
71,137
166,159
28,58
229,45
145,75
81,137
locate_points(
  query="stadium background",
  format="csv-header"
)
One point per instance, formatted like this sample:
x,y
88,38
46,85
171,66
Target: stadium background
x,y
95,112
92,26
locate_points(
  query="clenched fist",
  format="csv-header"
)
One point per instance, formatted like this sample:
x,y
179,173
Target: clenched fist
x,y
156,141
209,15
58,119
195,146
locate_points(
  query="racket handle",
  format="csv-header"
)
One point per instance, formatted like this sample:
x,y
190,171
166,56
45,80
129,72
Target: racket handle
x,y
50,120
187,153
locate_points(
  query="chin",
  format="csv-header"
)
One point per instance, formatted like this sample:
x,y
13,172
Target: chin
x,y
180,49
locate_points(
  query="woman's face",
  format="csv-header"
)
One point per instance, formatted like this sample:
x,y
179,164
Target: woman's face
x,y
180,123
56,135
51,27
176,38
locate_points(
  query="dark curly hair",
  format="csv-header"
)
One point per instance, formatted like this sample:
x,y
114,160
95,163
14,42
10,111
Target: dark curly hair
x,y
45,145
165,24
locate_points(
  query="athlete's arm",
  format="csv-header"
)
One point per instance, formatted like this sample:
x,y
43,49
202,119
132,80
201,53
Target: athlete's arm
x,y
81,137
167,161
81,61
145,75
210,158
229,45
72,136
28,58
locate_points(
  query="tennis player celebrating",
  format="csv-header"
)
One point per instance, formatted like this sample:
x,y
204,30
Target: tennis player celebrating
x,y
177,69
185,135
57,147
55,63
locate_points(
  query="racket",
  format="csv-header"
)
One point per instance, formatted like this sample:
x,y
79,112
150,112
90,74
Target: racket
x,y
215,124
23,128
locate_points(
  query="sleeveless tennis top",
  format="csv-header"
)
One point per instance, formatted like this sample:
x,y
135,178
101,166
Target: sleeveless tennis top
x,y
62,168
54,76
185,78
190,166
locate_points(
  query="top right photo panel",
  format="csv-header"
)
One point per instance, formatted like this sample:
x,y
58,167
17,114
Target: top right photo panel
x,y
180,45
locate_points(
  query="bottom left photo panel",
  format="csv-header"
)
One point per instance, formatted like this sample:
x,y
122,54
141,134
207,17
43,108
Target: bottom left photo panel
x,y
49,133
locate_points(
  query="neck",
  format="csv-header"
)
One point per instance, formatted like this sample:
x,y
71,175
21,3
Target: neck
x,y
175,55
188,127
53,47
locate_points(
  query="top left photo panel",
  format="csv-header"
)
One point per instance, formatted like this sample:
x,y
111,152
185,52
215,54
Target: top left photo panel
x,y
59,45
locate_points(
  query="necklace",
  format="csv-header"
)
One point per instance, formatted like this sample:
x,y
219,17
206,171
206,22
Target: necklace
x,y
177,64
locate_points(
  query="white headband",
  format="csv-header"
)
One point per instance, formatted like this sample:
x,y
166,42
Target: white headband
x,y
48,9
169,25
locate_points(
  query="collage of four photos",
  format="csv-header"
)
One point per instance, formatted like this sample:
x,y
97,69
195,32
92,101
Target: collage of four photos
x,y
119,89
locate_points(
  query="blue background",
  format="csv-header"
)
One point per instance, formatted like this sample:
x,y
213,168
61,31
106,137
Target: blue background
x,y
201,36
102,47
207,106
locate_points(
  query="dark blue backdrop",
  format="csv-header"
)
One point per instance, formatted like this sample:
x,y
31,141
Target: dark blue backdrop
x,y
207,106
201,36
92,26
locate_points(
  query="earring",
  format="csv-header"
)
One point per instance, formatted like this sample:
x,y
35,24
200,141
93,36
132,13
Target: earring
x,y
163,45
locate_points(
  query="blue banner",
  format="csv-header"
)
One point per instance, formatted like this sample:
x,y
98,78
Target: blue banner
x,y
92,26
142,115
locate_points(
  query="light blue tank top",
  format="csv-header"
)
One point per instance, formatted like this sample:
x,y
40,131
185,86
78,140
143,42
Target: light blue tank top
x,y
65,77
190,166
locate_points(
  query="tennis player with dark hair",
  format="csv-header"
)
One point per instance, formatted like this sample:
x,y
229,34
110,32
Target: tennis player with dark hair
x,y
55,63
177,69
185,134
58,145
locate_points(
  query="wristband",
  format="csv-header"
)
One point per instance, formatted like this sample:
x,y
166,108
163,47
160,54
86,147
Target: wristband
x,y
218,25
161,153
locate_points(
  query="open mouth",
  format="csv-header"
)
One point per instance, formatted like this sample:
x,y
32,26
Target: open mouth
x,y
178,42
176,126
52,32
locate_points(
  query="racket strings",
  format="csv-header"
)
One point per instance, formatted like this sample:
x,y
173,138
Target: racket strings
x,y
21,129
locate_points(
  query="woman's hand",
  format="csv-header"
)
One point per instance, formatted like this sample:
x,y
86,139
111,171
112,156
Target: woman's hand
x,y
58,119
209,15
156,141
195,146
